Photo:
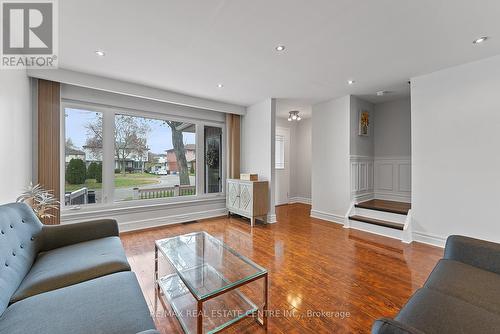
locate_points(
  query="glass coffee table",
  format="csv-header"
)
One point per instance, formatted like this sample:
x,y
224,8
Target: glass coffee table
x,y
205,289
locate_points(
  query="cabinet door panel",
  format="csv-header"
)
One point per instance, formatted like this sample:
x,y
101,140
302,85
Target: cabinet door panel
x,y
246,198
233,191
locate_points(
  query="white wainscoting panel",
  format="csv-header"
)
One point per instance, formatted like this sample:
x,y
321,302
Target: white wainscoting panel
x,y
361,177
392,178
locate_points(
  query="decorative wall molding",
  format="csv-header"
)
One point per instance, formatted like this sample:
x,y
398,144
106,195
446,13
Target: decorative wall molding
x,y
362,173
176,219
334,218
150,213
392,178
303,200
136,90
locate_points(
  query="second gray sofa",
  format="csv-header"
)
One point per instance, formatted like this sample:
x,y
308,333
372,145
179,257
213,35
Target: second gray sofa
x,y
71,278
462,294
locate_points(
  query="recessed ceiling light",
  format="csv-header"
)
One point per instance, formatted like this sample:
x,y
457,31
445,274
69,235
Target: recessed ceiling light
x,y
351,82
480,40
280,48
220,86
382,92
100,53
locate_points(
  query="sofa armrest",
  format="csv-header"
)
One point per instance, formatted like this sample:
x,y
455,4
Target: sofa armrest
x,y
55,236
478,253
391,326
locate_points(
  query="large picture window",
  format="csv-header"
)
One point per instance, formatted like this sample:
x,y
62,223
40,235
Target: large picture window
x,y
116,157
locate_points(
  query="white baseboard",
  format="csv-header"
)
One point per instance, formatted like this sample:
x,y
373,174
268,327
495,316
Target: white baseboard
x,y
169,220
303,200
358,198
328,217
429,239
405,198
271,219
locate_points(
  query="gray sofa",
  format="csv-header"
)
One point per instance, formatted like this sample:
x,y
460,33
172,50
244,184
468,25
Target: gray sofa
x,y
462,294
71,278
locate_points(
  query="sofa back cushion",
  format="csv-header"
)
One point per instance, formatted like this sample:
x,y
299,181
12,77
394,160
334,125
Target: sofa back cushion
x,y
19,243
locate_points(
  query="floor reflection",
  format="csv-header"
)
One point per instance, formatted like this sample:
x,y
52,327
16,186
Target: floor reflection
x,y
319,271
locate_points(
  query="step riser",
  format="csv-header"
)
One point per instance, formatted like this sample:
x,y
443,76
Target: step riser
x,y
381,215
380,230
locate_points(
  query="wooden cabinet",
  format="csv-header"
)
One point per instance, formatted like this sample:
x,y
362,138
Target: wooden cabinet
x,y
248,198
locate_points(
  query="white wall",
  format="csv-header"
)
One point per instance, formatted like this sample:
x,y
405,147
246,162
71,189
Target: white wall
x,y
392,123
392,139
257,145
330,159
360,145
15,134
455,152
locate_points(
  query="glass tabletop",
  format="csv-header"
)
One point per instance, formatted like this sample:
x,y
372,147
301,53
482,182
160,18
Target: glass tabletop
x,y
206,265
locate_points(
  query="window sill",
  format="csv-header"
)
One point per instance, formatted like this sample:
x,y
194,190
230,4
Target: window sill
x,y
97,211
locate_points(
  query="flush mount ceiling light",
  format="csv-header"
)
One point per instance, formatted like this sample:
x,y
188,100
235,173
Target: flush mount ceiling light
x,y
294,116
100,53
382,92
480,40
220,85
351,82
280,48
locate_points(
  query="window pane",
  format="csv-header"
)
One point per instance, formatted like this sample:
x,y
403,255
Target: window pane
x,y
154,158
280,152
83,157
213,159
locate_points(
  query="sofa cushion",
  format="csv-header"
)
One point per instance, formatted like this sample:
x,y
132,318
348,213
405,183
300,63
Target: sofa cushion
x,y
471,284
19,244
436,313
113,304
73,264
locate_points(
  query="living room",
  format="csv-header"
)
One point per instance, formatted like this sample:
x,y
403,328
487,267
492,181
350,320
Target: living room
x,y
249,167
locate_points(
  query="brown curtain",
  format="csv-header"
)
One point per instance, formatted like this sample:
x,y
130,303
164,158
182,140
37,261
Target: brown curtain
x,y
49,140
233,146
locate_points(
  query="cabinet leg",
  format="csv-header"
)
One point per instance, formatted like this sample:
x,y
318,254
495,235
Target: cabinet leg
x,y
252,221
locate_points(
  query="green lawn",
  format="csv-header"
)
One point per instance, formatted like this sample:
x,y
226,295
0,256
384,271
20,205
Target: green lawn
x,y
121,181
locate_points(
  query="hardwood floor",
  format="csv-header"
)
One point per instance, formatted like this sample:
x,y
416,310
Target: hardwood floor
x,y
317,270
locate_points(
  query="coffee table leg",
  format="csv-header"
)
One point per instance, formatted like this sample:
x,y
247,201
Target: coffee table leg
x,y
266,301
199,320
157,285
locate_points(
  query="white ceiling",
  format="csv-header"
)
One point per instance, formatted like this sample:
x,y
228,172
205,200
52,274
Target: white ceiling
x,y
190,46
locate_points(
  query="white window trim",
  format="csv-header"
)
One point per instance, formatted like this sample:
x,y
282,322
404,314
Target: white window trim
x,y
282,166
108,202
